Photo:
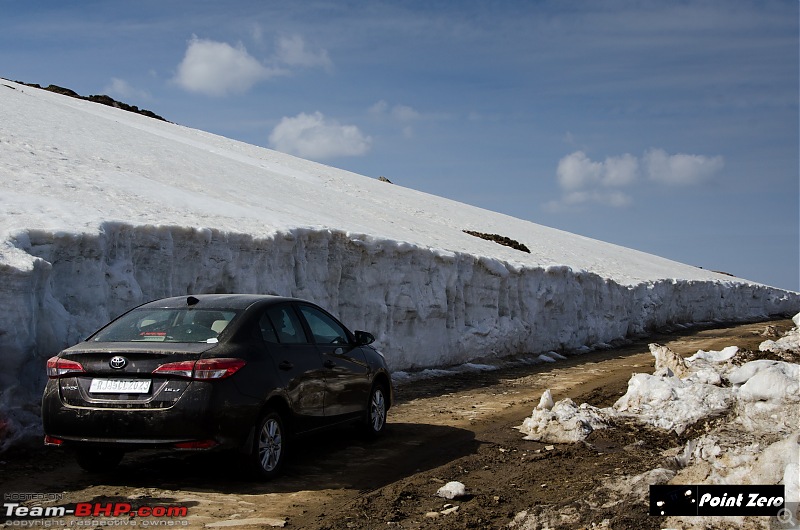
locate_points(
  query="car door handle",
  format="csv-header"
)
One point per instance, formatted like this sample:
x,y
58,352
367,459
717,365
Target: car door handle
x,y
330,364
286,365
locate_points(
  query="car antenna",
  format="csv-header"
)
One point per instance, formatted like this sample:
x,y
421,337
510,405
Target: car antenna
x,y
192,300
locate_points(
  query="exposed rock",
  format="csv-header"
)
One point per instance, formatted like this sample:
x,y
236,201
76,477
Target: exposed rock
x,y
502,240
102,99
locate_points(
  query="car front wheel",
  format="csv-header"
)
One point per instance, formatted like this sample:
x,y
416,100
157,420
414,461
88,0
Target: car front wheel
x,y
375,420
269,446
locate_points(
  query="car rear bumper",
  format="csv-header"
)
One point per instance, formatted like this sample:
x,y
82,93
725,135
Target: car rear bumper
x,y
191,418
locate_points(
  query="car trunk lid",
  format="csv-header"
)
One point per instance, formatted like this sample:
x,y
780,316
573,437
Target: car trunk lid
x,y
123,375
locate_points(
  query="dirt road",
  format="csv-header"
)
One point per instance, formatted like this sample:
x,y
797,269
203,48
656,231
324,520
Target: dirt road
x,y
454,428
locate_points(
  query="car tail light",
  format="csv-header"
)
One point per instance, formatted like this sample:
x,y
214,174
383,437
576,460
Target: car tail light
x,y
202,370
58,367
196,444
181,369
52,440
206,369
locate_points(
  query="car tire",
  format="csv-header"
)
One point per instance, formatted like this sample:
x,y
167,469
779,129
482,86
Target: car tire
x,y
98,460
375,418
269,446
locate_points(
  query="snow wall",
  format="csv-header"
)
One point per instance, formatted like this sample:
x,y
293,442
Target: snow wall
x,y
425,307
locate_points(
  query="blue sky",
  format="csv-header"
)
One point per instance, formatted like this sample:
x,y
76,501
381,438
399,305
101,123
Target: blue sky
x,y
670,127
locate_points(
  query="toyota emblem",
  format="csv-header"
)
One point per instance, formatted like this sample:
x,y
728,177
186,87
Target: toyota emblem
x,y
117,362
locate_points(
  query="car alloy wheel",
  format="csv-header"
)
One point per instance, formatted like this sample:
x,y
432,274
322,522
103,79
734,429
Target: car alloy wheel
x,y
270,445
376,412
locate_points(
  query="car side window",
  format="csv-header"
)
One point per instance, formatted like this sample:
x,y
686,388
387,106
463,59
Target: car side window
x,y
324,329
286,325
267,330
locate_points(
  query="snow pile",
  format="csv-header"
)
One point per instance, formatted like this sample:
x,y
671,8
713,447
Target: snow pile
x,y
714,356
789,342
764,393
680,393
670,403
668,362
432,373
452,490
562,422
768,395
662,400
101,210
705,365
759,443
718,458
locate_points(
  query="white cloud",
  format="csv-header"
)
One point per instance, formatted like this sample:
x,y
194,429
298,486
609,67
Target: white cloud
x,y
379,108
620,170
122,89
584,180
399,113
292,51
402,115
217,68
576,171
315,137
680,169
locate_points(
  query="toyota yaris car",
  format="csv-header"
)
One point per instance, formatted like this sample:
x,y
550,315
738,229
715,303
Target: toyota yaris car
x,y
213,371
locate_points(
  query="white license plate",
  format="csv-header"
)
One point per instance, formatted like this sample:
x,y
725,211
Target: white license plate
x,y
120,386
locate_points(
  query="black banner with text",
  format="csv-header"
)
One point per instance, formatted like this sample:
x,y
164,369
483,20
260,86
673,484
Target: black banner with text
x,y
674,499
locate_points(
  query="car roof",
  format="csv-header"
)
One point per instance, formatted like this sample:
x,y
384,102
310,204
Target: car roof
x,y
217,301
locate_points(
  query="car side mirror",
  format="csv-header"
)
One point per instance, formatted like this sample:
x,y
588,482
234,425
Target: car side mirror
x,y
363,338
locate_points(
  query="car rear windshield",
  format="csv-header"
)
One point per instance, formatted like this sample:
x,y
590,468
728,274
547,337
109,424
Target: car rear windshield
x,y
167,325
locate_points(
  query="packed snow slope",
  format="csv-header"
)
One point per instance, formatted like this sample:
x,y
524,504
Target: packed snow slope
x,y
102,209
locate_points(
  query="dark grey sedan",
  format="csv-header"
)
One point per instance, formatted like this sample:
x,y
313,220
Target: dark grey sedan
x,y
213,371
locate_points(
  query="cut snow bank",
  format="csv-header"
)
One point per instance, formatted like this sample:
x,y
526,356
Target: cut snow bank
x,y
101,210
